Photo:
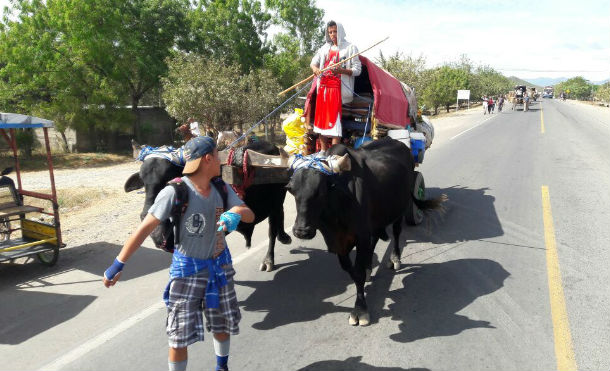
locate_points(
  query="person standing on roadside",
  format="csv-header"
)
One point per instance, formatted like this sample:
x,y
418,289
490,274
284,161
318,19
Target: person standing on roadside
x,y
335,86
201,273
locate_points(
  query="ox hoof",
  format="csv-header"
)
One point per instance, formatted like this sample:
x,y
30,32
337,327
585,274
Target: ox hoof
x,y
361,318
284,238
393,264
266,266
368,275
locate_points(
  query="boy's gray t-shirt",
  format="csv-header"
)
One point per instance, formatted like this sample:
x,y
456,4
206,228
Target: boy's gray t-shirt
x,y
199,237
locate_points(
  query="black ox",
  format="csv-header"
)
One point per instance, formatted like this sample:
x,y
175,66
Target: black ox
x,y
265,200
353,207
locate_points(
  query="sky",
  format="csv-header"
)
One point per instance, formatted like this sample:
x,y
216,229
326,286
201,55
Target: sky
x,y
528,39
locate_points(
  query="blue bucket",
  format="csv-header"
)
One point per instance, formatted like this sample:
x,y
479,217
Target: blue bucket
x,y
418,148
360,141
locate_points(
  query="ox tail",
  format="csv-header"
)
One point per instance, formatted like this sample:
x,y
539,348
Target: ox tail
x,y
431,203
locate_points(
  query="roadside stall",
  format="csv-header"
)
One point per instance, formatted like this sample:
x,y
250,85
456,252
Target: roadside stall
x,y
23,232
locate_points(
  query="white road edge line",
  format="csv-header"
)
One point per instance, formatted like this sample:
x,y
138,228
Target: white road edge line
x,y
112,332
476,126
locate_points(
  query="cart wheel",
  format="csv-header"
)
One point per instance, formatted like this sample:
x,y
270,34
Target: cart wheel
x,y
414,215
50,257
5,229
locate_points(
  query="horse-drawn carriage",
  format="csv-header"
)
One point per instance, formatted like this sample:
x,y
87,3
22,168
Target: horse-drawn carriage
x,y
38,237
382,106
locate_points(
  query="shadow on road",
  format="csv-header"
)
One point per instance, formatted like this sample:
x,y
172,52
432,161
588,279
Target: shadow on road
x,y
352,364
432,294
27,308
298,291
30,313
469,214
92,258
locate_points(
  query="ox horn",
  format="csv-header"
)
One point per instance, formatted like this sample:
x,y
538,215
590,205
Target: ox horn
x,y
339,164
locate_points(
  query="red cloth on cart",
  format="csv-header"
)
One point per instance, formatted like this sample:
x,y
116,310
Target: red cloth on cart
x,y
328,99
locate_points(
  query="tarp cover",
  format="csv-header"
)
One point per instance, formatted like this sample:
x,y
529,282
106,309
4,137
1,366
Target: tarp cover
x,y
15,120
391,106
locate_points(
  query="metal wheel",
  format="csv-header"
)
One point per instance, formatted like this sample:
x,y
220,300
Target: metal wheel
x,y
50,257
414,215
5,229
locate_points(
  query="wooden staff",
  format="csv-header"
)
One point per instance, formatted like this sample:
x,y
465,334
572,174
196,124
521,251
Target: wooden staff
x,y
331,66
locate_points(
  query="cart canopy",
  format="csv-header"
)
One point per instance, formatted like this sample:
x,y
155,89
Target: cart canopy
x,y
18,121
391,106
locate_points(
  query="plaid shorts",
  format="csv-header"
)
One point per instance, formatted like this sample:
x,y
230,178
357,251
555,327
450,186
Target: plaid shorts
x,y
187,302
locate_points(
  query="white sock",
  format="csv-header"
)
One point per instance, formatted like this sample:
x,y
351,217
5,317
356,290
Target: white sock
x,y
222,348
177,366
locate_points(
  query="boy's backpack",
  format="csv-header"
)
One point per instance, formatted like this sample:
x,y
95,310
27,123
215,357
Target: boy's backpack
x,y
179,208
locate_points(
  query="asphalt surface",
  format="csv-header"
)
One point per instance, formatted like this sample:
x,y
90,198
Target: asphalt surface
x,y
473,292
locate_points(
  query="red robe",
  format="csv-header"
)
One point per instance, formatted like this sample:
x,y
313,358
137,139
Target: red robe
x,y
328,99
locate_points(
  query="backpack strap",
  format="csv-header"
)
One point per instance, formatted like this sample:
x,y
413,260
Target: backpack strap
x,y
221,187
179,207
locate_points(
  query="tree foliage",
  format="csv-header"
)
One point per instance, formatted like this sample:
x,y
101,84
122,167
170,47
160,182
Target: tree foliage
x,y
603,92
302,20
77,60
216,93
230,30
442,89
576,87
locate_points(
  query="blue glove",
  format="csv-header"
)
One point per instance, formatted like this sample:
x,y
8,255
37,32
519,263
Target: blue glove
x,y
114,269
230,219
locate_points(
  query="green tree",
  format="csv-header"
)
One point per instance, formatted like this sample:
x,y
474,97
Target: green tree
x,y
486,81
603,92
578,87
88,54
285,60
302,19
215,93
230,30
442,89
408,69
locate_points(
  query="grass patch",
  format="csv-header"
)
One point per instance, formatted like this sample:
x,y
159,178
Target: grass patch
x,y
38,161
72,198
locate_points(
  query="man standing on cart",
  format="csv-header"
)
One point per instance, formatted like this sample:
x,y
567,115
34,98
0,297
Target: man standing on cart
x,y
335,86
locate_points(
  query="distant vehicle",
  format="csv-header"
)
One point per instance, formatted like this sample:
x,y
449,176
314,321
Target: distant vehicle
x,y
548,92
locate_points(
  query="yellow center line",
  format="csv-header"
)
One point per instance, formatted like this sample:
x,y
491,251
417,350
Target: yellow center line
x,y
564,352
541,120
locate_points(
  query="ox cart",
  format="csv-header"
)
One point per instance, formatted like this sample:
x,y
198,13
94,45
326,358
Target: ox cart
x,y
518,96
37,237
382,106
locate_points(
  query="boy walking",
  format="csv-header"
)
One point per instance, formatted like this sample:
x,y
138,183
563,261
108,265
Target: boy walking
x,y
201,273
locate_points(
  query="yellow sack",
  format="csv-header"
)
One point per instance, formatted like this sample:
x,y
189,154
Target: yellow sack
x,y
295,145
293,126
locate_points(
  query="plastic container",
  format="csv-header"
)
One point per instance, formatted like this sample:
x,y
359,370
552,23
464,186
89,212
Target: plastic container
x,y
361,140
418,146
402,135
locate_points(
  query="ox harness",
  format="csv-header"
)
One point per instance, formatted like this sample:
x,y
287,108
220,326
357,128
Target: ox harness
x,y
181,202
171,154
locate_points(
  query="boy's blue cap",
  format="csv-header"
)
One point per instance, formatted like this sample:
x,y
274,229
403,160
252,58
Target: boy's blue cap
x,y
194,150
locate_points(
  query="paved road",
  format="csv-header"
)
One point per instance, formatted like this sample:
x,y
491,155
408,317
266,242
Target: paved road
x,y
474,291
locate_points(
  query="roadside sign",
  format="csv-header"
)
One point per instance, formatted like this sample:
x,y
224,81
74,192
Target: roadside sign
x,y
464,95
